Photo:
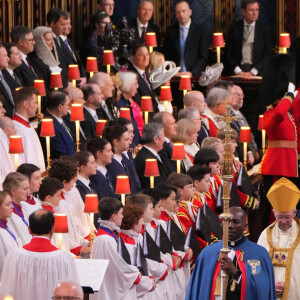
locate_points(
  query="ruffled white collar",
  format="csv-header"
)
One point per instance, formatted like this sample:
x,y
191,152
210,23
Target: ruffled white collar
x,y
131,233
110,225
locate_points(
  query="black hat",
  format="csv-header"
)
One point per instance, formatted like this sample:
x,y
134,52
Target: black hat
x,y
192,242
279,71
214,221
141,262
162,241
151,250
175,235
244,182
122,250
203,229
234,198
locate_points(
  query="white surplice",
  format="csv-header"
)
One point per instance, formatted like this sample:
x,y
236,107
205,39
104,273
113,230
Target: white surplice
x,y
31,275
19,227
28,209
33,152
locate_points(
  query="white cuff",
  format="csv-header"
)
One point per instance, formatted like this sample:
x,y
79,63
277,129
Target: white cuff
x,y
254,71
237,70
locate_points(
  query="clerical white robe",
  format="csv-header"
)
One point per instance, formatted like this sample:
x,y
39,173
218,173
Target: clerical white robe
x,y
33,152
7,244
285,239
30,275
19,227
6,161
28,209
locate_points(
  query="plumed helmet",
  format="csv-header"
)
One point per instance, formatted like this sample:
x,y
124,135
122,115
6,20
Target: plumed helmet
x,y
279,71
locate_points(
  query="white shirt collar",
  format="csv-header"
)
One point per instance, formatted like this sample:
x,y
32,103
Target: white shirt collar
x,y
60,120
63,37
91,111
118,158
10,71
251,25
125,153
41,237
102,170
187,26
22,117
84,180
140,25
153,152
141,72
167,140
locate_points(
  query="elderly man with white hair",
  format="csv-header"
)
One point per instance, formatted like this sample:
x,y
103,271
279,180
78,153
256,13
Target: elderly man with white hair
x,y
216,100
106,85
128,88
68,290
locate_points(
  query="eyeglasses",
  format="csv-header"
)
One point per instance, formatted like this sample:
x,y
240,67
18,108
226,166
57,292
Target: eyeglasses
x,y
65,298
284,217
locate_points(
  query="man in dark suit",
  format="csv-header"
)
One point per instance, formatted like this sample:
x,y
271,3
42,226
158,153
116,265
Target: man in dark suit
x,y
248,45
63,141
170,131
142,24
5,91
107,6
185,43
153,140
32,67
140,60
93,99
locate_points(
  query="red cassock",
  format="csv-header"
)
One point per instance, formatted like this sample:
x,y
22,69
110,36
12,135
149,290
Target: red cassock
x,y
281,156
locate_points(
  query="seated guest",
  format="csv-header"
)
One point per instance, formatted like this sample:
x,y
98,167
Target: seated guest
x,y
17,186
126,277
106,6
128,90
106,110
93,99
68,289
153,140
26,105
140,59
9,75
143,23
102,151
216,145
216,100
87,167
6,130
9,239
39,259
63,141
45,47
187,133
170,130
76,96
5,91
93,45
196,99
211,76
248,45
119,137
185,43
33,174
131,227
32,67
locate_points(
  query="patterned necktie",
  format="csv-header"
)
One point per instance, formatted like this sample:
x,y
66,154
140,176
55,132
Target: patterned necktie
x,y
183,34
108,180
146,79
8,91
143,35
63,124
30,65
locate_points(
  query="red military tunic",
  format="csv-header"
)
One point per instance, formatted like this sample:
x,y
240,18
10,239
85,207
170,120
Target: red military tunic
x,y
280,127
296,116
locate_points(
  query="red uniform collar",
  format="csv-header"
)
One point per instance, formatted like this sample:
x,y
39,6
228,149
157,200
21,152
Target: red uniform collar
x,y
143,229
153,224
19,207
4,222
62,196
30,200
39,244
48,207
104,232
21,120
127,239
164,216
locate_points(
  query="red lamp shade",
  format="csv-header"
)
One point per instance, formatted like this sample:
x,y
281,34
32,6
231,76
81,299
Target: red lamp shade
x,y
40,86
125,113
61,223
56,81
218,40
77,112
47,128
108,57
15,145
185,83
245,135
165,93
146,104
261,124
73,73
122,185
151,39
151,167
284,40
91,64
91,203
178,152
100,127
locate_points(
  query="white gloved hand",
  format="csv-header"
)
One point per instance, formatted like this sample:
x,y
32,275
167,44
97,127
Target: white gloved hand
x,y
291,90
